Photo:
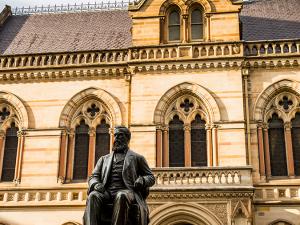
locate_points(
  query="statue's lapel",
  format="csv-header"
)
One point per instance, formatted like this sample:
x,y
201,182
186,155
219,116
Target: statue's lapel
x,y
127,160
108,166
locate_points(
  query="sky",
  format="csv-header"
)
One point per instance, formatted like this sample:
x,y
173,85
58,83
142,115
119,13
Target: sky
x,y
25,3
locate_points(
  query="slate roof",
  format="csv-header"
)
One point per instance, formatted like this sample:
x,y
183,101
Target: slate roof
x,y
87,31
63,32
270,20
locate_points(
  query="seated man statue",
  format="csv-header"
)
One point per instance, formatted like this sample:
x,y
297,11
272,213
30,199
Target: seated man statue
x,y
121,178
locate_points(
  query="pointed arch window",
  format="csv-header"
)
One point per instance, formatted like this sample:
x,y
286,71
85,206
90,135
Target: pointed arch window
x,y
81,151
185,140
10,153
174,25
102,140
88,138
196,22
198,142
176,142
296,143
277,146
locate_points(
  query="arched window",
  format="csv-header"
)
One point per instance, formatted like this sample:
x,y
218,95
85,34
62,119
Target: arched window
x,y
174,25
102,140
87,139
277,146
198,142
10,154
182,140
296,143
176,143
81,151
196,22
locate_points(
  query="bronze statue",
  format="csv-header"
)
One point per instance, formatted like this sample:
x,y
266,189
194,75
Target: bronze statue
x,y
121,179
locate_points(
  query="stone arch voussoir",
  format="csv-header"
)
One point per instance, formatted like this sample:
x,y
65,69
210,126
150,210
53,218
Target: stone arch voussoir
x,y
270,92
18,106
198,91
106,98
192,213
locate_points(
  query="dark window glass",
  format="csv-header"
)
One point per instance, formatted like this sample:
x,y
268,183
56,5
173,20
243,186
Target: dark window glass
x,y
197,24
198,135
176,143
102,140
81,152
10,154
277,147
174,26
296,143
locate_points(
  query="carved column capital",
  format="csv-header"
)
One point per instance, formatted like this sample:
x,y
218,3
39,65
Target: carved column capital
x,y
21,133
71,132
92,131
287,125
165,128
159,127
2,134
187,127
185,16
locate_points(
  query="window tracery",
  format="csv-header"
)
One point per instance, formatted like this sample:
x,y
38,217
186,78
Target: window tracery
x,y
185,138
9,142
89,139
280,140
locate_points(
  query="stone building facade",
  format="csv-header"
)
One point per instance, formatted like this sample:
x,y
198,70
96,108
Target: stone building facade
x,y
209,88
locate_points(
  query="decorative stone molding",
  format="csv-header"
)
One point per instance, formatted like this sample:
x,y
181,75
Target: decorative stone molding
x,y
15,111
191,213
207,101
81,100
119,63
267,103
282,193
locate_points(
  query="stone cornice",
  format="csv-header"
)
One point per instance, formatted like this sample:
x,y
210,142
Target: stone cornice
x,y
146,59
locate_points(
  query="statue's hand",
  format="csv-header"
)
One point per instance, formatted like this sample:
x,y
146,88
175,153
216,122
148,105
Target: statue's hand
x,y
99,187
139,184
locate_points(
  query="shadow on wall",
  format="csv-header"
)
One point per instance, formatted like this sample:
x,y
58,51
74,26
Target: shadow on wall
x,y
12,26
257,28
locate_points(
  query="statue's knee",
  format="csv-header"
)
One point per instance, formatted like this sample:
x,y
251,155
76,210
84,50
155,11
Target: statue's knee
x,y
95,196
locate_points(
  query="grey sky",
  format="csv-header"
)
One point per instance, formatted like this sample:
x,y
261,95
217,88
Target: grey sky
x,y
21,3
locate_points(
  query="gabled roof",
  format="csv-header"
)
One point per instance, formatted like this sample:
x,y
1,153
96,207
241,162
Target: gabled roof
x,y
270,20
104,30
66,32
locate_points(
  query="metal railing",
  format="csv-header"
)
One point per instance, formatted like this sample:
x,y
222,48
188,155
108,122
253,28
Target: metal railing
x,y
97,6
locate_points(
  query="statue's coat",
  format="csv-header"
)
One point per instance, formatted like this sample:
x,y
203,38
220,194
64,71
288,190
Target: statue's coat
x,y
134,166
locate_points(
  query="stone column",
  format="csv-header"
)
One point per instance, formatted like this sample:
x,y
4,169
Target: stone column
x,y
159,139
162,30
92,143
165,147
70,155
187,146
289,149
20,150
185,26
261,154
209,145
63,157
208,35
267,151
2,138
215,145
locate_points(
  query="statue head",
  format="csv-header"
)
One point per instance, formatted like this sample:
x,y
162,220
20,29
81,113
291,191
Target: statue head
x,y
122,137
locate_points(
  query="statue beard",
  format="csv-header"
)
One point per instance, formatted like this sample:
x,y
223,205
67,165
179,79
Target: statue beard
x,y
119,146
